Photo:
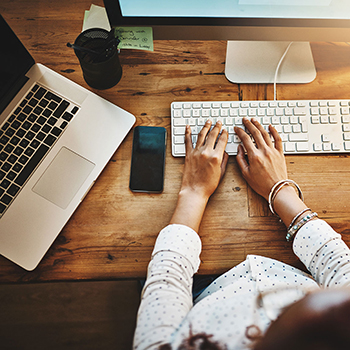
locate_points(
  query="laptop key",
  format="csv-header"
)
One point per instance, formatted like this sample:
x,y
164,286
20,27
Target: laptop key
x,y
61,108
2,208
52,96
6,199
31,165
40,93
13,190
50,139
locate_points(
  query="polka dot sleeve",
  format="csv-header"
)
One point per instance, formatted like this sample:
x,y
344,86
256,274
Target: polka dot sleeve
x,y
180,239
167,294
324,253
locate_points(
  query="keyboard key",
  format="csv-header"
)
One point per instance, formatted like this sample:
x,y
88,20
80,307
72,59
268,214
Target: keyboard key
x,y
6,199
52,96
32,164
289,147
67,116
5,183
2,208
302,146
180,149
40,93
13,190
336,146
231,148
298,137
50,139
326,146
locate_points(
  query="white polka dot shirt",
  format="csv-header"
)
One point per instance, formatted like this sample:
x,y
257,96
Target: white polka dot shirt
x,y
252,293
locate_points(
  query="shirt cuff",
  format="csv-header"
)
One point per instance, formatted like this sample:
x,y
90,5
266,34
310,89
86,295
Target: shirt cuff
x,y
311,238
182,240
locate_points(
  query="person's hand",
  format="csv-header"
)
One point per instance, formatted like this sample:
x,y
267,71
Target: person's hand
x,y
205,164
266,164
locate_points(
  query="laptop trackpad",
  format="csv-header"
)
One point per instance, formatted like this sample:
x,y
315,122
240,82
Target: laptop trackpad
x,y
63,178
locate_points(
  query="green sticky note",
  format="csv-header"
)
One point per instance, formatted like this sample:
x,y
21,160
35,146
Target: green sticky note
x,y
140,38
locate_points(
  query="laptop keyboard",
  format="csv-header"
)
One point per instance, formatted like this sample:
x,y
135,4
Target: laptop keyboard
x,y
27,136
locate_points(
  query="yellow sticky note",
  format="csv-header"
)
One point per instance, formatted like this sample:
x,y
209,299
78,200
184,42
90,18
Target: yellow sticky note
x,y
140,38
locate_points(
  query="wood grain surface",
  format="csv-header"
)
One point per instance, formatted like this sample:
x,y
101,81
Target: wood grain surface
x,y
112,233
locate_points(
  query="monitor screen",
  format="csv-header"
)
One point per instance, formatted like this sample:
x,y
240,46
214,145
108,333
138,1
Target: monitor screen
x,y
316,9
308,20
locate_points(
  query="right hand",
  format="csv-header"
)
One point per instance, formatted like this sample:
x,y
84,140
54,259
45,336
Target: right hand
x,y
266,163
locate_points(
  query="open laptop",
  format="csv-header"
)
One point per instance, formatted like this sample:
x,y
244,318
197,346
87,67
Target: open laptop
x,y
55,139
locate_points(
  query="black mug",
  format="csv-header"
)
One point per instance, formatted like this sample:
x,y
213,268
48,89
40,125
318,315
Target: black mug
x,y
97,51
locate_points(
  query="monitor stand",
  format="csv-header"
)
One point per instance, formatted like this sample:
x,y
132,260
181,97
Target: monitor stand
x,y
256,62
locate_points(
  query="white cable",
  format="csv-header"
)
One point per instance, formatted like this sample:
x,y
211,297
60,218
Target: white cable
x,y
277,69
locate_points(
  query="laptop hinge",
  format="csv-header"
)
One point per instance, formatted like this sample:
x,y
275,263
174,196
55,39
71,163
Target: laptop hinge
x,y
12,92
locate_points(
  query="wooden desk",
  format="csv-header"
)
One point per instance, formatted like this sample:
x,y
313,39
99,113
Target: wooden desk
x,y
112,233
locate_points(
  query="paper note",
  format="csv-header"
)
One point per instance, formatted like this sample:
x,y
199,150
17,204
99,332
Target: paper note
x,y
96,17
140,38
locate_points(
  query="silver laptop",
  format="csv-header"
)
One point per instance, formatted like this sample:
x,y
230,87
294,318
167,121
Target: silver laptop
x,y
55,139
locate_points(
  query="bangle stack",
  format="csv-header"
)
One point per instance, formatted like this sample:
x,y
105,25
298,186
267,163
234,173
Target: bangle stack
x,y
293,229
294,226
277,187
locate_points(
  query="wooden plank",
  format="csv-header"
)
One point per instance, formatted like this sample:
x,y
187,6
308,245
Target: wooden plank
x,y
86,315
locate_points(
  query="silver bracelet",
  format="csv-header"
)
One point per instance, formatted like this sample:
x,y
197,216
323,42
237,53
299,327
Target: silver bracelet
x,y
296,216
277,187
295,228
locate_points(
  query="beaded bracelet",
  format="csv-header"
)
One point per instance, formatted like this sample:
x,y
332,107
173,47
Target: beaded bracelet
x,y
277,187
295,228
296,216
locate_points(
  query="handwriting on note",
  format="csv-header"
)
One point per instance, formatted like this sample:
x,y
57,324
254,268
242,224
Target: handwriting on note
x,y
140,38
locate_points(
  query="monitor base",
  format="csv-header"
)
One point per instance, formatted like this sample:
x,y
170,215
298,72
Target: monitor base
x,y
256,62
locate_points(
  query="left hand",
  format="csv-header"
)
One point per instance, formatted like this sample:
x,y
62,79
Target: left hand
x,y
205,164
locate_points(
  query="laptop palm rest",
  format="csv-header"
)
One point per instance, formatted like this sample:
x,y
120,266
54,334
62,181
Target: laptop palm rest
x,y
63,178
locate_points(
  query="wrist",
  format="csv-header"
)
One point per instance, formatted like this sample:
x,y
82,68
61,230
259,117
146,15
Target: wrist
x,y
189,209
193,195
287,204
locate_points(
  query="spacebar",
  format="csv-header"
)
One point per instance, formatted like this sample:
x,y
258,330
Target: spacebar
x,y
32,164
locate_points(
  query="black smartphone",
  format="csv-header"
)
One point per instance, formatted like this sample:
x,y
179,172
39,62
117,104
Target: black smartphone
x,y
148,159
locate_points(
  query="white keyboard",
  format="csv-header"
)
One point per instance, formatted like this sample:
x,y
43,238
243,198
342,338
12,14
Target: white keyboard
x,y
305,126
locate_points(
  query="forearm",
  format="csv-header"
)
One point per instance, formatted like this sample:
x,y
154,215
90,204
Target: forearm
x,y
189,209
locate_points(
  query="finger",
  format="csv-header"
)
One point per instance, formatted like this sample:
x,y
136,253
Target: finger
x,y
242,163
224,164
203,133
222,142
213,135
257,131
245,138
262,131
188,139
276,136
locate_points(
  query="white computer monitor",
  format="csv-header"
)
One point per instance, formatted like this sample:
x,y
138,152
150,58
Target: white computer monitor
x,y
258,31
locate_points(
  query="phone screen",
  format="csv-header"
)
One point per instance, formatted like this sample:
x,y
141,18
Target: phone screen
x,y
148,159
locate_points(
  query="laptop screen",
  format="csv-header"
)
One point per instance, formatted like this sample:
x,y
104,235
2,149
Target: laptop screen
x,y
15,60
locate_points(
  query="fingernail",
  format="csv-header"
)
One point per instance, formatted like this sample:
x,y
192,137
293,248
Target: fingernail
x,y
253,119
